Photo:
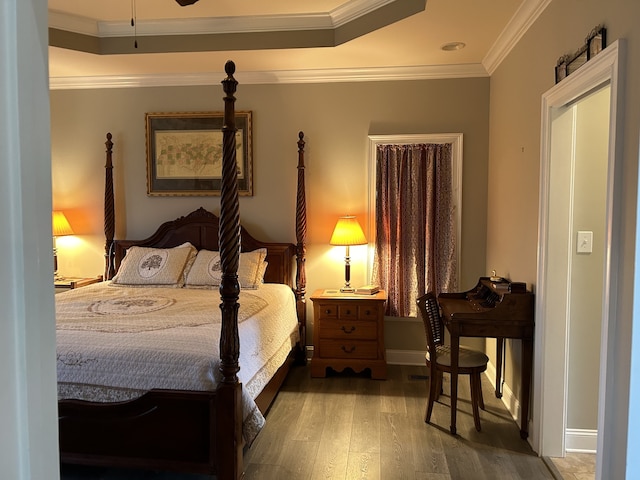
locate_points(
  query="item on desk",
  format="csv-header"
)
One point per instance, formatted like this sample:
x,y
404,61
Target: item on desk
x,y
502,286
367,290
494,277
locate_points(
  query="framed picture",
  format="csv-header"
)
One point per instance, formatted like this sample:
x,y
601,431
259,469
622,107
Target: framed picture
x,y
561,68
184,153
596,41
579,59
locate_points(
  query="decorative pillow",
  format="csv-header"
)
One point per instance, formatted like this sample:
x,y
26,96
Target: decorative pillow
x,y
262,270
146,266
250,269
207,269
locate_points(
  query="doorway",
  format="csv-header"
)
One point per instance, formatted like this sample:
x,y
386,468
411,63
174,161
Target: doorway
x,y
576,254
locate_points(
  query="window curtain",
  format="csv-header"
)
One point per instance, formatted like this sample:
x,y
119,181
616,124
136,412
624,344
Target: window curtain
x,y
415,238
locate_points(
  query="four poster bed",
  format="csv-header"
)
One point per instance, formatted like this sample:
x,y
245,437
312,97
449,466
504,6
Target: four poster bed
x,y
195,410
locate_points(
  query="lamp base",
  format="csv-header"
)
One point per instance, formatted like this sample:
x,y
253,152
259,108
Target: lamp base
x,y
347,290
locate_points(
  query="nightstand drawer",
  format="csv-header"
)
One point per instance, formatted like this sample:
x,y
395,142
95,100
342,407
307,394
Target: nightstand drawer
x,y
368,312
346,349
347,311
353,329
329,310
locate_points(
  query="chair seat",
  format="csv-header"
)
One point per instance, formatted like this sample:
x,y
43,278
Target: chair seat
x,y
467,358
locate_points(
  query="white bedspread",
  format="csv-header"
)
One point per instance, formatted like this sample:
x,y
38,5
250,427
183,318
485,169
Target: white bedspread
x,y
115,343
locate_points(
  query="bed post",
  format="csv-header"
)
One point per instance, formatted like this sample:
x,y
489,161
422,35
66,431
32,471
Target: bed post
x,y
109,211
229,408
301,251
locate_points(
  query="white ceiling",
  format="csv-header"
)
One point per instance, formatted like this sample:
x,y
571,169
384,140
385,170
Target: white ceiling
x,y
408,48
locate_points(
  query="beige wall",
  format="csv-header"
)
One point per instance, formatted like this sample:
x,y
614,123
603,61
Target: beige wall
x,y
336,119
516,89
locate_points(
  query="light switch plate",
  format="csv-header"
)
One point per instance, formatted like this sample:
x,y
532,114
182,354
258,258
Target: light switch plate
x,y
585,242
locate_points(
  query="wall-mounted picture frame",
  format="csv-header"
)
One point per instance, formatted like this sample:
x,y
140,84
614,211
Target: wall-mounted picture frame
x,y
596,41
561,67
579,59
184,153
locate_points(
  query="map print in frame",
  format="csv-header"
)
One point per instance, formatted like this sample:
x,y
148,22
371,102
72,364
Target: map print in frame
x,y
184,153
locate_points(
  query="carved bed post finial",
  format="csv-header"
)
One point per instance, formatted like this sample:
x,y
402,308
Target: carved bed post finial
x,y
301,249
229,235
109,211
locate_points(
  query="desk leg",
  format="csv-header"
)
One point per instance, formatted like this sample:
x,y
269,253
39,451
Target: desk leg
x,y
455,352
527,362
499,355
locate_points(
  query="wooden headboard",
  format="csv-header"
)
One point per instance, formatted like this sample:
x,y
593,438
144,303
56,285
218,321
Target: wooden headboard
x,y
201,228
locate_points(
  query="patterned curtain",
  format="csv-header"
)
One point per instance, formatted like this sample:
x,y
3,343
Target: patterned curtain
x,y
415,239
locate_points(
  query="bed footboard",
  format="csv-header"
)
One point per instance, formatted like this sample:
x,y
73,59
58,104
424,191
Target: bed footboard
x,y
162,429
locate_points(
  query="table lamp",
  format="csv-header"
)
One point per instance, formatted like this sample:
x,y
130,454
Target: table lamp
x,y
347,232
61,228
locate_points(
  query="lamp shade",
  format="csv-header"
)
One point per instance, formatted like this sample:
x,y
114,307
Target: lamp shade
x,y
61,225
348,232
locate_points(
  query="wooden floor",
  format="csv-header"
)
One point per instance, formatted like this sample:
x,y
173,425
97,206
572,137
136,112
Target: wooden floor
x,y
351,427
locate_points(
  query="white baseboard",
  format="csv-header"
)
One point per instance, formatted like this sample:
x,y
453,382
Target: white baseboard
x,y
576,440
581,441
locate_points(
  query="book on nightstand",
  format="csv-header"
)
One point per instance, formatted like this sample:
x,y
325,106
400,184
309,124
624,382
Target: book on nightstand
x,y
367,290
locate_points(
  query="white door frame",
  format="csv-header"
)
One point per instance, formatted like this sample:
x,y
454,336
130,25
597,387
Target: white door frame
x,y
550,389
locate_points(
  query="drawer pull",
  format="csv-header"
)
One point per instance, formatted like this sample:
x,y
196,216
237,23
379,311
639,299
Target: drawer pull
x,y
367,312
348,312
351,329
348,350
327,311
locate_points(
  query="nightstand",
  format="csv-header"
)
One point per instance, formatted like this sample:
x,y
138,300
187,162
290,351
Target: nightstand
x,y
348,332
69,283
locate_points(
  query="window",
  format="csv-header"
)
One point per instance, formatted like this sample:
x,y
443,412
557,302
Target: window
x,y
414,206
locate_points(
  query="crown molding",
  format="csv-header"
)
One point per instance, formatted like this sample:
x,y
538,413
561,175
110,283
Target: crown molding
x,y
354,19
425,72
340,16
73,23
525,16
354,9
199,26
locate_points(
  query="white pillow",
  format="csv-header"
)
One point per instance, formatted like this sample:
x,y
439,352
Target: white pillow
x,y
206,270
146,266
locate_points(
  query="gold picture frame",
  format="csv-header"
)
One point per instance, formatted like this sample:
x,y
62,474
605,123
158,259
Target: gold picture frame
x,y
184,153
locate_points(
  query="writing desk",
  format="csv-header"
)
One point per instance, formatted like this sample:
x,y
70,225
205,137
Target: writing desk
x,y
510,317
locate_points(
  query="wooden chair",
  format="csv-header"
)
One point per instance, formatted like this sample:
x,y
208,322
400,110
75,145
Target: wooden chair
x,y
438,358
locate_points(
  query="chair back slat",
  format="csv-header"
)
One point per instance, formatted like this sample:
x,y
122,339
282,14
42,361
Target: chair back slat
x,y
433,326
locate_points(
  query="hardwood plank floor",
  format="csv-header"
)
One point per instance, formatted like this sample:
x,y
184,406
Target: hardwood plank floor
x,y
347,426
